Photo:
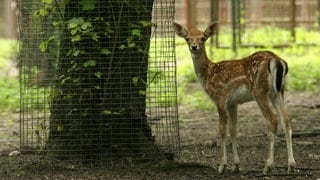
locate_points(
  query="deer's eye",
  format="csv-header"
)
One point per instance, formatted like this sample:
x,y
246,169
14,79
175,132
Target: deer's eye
x,y
187,39
203,39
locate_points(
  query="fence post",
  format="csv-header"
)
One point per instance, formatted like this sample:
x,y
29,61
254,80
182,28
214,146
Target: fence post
x,y
191,13
214,16
293,20
318,14
235,18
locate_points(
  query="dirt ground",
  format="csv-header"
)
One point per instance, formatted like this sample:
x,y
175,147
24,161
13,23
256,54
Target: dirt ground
x,y
198,134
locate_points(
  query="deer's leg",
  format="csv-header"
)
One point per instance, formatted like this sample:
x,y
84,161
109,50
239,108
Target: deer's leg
x,y
278,103
270,161
233,133
269,112
286,125
223,119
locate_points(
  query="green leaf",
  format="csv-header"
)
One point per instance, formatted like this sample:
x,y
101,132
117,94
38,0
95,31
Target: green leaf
x,y
145,23
76,52
89,63
59,128
141,51
74,31
136,32
42,12
135,80
142,92
86,25
43,46
107,112
76,80
88,5
75,38
105,51
94,36
56,23
47,1
98,74
74,22
97,87
98,19
64,80
131,45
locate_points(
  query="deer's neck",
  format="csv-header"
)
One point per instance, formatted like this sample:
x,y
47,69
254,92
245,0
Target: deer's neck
x,y
201,64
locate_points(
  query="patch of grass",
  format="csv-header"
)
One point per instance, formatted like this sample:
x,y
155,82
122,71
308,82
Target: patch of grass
x,y
304,68
9,99
267,35
9,86
9,49
185,70
194,98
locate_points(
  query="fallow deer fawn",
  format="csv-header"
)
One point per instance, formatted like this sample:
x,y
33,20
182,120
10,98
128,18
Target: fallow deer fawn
x,y
259,77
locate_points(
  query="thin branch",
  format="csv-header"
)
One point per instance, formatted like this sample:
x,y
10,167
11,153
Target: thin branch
x,y
207,155
306,134
117,26
283,174
300,168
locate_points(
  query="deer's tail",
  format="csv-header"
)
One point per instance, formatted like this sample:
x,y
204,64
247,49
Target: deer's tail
x,y
278,70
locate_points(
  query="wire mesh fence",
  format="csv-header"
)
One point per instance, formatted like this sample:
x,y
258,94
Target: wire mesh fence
x,y
97,81
285,17
240,19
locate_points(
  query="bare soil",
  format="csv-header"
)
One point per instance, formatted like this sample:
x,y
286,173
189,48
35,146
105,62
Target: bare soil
x,y
198,134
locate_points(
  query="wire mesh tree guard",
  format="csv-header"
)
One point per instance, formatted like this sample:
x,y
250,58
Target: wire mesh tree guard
x,y
97,80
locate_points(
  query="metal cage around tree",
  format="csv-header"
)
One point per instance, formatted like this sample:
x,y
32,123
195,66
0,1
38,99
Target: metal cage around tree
x,y
97,81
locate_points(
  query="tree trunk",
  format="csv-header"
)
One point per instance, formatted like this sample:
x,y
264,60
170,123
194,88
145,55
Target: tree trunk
x,y
99,96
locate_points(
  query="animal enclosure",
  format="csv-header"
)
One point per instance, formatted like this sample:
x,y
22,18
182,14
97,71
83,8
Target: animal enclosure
x,y
239,19
81,134
98,81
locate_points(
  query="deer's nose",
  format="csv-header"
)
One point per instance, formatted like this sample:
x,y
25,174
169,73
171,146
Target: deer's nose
x,y
194,47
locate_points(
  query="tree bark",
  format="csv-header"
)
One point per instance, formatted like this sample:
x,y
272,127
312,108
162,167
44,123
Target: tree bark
x,y
99,96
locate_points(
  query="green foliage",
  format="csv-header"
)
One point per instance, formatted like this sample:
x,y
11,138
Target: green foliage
x,y
9,99
9,86
194,98
8,50
267,36
86,29
158,80
185,70
304,71
44,45
89,63
80,28
88,5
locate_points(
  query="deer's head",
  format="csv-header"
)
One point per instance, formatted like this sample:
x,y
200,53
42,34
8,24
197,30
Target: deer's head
x,y
194,37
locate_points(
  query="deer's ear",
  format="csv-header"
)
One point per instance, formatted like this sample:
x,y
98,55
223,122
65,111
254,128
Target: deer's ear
x,y
181,31
211,29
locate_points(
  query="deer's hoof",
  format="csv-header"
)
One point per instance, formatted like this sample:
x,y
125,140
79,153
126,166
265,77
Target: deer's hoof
x,y
222,168
236,168
267,169
290,169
